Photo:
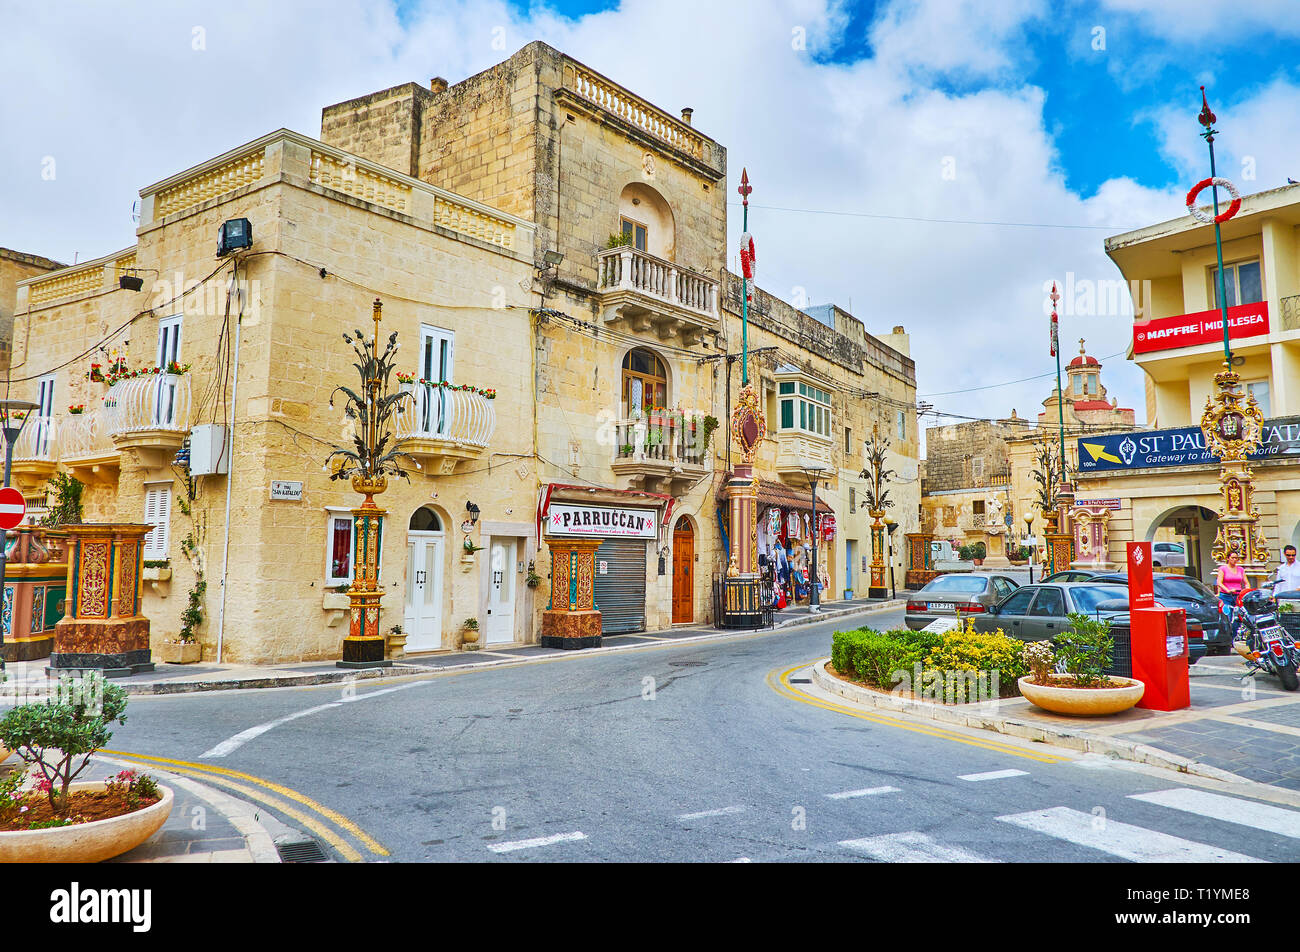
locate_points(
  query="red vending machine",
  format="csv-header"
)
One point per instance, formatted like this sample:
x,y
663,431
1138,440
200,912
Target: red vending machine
x,y
1158,638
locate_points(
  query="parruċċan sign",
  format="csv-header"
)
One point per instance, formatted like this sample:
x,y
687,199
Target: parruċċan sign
x,y
1279,439
568,519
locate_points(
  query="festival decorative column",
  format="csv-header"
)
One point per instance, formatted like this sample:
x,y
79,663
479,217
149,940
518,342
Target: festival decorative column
x,y
920,566
879,587
364,644
572,620
1060,540
748,424
1232,421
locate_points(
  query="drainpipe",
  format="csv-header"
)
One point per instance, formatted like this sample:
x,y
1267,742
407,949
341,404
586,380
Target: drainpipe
x,y
230,470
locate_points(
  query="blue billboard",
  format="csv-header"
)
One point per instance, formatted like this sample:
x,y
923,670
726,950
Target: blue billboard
x,y
1180,447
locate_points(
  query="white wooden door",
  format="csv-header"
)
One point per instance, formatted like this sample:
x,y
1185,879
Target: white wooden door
x,y
423,616
501,591
436,352
169,352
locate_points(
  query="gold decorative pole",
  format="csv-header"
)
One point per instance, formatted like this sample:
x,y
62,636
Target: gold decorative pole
x,y
1232,422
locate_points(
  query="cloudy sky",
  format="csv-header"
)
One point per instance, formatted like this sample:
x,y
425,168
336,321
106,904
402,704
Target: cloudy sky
x,y
932,163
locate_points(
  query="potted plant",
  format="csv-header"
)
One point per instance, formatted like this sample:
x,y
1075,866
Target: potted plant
x,y
47,817
1083,689
185,649
966,552
396,642
96,374
76,409
532,580
978,553
469,634
1289,617
468,548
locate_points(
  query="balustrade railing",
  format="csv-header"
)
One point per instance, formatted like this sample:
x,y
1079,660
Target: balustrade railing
x,y
667,438
631,108
37,441
627,269
464,417
153,402
1291,313
86,435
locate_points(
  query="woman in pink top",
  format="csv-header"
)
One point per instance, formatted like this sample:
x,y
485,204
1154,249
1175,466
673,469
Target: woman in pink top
x,y
1231,582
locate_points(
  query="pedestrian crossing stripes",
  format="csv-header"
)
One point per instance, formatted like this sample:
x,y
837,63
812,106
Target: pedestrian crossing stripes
x,y
1229,809
994,775
537,841
1121,839
911,847
868,792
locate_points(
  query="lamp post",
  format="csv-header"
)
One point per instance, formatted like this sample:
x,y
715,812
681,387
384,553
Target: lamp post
x,y
1029,534
11,434
890,526
814,605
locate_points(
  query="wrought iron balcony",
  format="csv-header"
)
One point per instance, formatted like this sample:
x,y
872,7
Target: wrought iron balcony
x,y
36,452
650,293
149,415
661,453
86,447
441,426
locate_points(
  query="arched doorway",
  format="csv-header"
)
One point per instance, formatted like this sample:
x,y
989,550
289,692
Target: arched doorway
x,y
424,552
1182,539
683,572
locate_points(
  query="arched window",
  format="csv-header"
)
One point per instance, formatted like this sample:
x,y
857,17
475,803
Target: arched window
x,y
425,519
645,382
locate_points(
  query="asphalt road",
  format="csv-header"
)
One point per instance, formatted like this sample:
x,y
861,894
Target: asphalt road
x,y
681,753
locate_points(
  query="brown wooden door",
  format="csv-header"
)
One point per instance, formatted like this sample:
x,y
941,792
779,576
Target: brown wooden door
x,y
683,575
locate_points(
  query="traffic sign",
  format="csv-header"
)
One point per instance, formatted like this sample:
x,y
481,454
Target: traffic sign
x,y
12,508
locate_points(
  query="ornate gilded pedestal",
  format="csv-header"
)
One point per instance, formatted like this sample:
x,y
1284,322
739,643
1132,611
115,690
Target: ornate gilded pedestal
x,y
572,620
920,566
36,582
879,587
364,645
1231,423
102,627
1091,531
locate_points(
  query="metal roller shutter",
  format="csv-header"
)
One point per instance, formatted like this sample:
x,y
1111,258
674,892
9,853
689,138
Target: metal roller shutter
x,y
620,592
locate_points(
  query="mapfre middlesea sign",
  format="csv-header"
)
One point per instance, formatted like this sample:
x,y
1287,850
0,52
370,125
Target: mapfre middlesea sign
x,y
1203,327
572,520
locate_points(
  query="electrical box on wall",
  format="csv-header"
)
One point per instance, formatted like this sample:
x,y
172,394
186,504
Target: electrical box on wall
x,y
209,449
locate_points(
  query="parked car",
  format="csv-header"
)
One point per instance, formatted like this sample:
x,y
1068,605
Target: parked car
x,y
1195,598
1038,612
1170,554
957,595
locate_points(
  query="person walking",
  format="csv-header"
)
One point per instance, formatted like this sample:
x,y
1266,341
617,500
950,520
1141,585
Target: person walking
x,y
1288,573
1231,582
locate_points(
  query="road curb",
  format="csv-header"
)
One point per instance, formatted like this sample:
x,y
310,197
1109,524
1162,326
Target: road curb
x,y
1071,738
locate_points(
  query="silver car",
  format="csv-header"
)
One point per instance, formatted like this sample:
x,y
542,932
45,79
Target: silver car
x,y
957,595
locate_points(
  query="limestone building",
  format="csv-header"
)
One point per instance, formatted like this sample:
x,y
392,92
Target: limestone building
x,y
550,249
15,266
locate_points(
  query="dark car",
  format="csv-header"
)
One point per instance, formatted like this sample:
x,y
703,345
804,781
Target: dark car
x,y
1195,598
1038,612
957,595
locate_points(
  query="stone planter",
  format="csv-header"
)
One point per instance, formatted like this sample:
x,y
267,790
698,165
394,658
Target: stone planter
x,y
396,645
469,639
87,842
1082,702
181,652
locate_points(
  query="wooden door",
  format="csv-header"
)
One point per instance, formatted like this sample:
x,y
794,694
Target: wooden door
x,y
683,573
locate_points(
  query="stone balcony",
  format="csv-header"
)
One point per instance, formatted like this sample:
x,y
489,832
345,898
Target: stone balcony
x,y
795,451
86,447
36,453
149,416
660,453
646,293
440,427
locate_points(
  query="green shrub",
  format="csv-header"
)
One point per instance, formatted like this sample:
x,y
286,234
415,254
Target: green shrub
x,y
871,656
1086,650
969,650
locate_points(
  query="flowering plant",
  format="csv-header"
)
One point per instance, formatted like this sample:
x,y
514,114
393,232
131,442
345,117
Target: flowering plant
x,y
121,373
1038,656
76,408
487,394
96,374
405,378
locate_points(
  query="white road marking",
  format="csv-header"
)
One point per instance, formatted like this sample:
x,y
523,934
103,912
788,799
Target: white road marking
x,y
1229,809
537,841
868,792
994,775
743,859
911,847
1120,839
232,744
721,811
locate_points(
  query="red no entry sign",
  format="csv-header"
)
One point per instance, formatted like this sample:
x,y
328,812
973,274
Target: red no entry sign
x,y
12,508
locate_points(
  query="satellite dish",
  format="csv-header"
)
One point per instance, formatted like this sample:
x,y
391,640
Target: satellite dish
x,y
135,211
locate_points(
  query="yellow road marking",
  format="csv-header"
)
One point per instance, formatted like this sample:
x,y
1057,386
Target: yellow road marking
x,y
213,772
778,681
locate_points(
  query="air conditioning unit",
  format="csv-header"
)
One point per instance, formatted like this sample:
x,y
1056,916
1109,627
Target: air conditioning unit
x,y
209,449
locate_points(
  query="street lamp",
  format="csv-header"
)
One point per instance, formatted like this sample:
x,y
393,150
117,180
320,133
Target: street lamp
x,y
11,434
890,526
1029,522
813,472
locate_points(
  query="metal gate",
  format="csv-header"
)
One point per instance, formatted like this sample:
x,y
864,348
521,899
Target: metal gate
x,y
620,591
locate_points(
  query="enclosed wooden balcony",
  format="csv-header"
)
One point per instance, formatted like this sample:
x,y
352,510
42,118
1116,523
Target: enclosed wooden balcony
x,y
441,427
647,294
149,416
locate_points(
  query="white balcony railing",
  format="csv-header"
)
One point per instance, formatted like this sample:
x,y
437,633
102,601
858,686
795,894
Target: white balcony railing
x,y
627,269
86,436
155,402
462,417
37,441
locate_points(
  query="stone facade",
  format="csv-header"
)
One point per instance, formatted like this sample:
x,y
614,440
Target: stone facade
x,y
15,266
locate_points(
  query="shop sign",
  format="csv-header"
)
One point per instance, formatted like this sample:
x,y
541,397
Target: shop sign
x,y
284,489
565,519
1203,327
1279,439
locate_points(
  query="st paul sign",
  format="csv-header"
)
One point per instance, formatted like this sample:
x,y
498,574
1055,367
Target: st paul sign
x,y
1185,446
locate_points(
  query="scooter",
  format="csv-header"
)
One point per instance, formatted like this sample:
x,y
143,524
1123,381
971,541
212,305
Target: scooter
x,y
1261,640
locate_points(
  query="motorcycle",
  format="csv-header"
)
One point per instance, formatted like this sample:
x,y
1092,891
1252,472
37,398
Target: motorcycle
x,y
1259,638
